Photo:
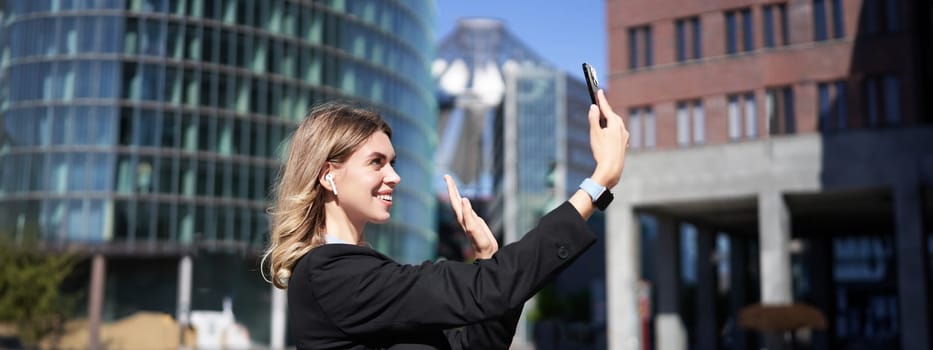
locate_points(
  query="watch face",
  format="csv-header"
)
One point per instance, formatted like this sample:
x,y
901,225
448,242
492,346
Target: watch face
x,y
603,201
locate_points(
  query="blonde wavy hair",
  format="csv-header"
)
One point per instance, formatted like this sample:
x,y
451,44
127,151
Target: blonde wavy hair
x,y
330,132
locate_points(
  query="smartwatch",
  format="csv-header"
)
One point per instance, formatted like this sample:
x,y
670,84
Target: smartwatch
x,y
598,193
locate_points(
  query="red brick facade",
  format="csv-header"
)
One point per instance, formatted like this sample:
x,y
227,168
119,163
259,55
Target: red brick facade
x,y
802,64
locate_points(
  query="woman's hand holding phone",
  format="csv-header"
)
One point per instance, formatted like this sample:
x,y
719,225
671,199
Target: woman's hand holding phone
x,y
609,143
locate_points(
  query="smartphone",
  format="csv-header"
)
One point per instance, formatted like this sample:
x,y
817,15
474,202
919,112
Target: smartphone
x,y
591,82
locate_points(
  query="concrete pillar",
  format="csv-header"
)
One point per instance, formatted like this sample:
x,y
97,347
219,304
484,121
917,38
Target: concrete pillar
x,y
279,315
183,310
623,268
913,293
773,239
96,300
669,327
738,294
707,293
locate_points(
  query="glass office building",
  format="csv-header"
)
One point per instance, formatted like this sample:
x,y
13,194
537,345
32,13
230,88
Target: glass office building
x,y
152,129
541,104
516,135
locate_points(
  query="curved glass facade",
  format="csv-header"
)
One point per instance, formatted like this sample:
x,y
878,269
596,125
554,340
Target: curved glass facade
x,y
148,127
161,121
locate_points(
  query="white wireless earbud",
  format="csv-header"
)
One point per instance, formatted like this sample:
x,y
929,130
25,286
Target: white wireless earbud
x,y
330,178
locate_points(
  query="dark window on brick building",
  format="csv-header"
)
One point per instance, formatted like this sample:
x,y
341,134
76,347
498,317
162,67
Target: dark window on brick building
x,y
881,16
821,21
774,17
688,38
779,104
832,105
739,30
748,36
639,46
883,100
731,33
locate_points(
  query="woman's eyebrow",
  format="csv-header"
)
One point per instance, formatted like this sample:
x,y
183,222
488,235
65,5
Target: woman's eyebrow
x,y
377,154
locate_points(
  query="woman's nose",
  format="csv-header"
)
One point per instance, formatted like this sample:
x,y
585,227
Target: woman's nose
x,y
392,176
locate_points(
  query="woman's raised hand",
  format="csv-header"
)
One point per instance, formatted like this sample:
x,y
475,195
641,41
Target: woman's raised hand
x,y
475,228
609,143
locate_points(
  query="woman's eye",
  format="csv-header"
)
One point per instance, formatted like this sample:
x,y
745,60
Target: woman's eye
x,y
376,161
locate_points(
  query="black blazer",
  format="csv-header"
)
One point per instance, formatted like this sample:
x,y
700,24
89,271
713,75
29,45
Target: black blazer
x,y
344,296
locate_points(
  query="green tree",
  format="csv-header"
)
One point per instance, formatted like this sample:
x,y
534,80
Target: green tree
x,y
30,295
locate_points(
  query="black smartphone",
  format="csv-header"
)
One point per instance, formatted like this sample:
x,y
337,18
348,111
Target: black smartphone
x,y
591,82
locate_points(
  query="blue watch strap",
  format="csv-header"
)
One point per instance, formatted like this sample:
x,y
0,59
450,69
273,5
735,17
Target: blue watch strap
x,y
592,188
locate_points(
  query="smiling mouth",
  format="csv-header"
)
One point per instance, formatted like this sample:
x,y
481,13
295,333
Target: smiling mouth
x,y
385,197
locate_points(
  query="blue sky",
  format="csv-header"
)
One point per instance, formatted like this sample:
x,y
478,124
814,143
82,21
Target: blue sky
x,y
564,32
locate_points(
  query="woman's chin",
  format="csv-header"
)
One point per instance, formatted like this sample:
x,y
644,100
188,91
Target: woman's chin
x,y
381,220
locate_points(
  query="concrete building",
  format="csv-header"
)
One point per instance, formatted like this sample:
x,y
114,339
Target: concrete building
x,y
781,153
148,133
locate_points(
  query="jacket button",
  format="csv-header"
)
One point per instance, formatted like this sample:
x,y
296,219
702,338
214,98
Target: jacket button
x,y
563,252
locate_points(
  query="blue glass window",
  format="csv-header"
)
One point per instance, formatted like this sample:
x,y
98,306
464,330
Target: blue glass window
x,y
640,47
77,172
681,40
18,40
824,104
892,99
100,165
768,19
632,48
790,119
785,37
747,30
731,33
697,38
840,105
107,81
688,38
873,19
104,127
819,20
75,223
734,34
892,19
8,173
838,22
80,129
883,100
832,105
37,179
85,79
87,34
95,221
648,46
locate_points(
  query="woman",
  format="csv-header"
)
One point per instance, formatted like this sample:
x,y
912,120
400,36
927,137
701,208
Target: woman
x,y
339,177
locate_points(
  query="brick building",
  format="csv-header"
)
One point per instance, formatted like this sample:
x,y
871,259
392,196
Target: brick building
x,y
781,154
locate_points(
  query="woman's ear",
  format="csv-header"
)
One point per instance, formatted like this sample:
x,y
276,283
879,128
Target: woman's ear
x,y
327,179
